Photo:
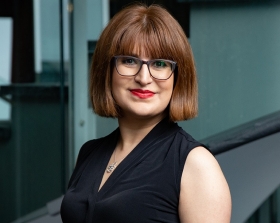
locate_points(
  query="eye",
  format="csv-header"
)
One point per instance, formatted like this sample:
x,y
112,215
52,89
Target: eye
x,y
128,61
160,63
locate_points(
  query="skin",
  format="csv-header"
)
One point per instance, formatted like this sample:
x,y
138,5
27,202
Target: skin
x,y
137,108
204,195
198,203
139,116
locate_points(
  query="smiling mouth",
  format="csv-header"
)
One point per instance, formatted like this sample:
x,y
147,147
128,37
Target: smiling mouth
x,y
143,94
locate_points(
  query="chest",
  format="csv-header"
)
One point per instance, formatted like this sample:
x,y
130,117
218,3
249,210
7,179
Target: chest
x,y
141,189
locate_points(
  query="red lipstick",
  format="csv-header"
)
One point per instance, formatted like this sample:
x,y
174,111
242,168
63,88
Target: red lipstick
x,y
142,93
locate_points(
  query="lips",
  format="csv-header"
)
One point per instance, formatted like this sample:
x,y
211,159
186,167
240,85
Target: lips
x,y
143,94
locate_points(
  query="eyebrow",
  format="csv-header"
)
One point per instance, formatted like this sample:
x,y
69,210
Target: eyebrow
x,y
134,55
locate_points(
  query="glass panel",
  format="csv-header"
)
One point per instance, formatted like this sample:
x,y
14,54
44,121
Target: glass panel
x,y
268,211
236,48
89,18
33,110
6,24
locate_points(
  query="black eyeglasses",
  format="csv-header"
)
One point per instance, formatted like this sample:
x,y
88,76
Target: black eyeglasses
x,y
160,69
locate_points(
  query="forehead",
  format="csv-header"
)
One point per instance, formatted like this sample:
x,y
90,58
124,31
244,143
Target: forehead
x,y
144,44
140,52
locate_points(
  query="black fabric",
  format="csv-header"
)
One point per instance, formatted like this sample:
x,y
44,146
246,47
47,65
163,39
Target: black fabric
x,y
144,187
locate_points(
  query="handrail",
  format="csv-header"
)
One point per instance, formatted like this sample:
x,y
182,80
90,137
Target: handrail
x,y
243,134
32,90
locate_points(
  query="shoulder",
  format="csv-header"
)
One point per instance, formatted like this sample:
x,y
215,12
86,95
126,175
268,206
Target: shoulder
x,y
186,137
185,143
87,148
204,194
92,146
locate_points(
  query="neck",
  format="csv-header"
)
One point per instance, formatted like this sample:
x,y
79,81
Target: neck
x,y
132,131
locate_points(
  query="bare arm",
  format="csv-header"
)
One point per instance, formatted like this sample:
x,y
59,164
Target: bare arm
x,y
204,195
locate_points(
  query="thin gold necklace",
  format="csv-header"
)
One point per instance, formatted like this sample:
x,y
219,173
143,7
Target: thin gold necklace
x,y
113,166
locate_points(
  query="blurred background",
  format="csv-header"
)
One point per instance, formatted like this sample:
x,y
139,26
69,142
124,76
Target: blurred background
x,y
45,114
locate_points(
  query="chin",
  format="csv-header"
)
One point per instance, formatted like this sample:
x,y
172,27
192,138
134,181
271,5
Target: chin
x,y
148,115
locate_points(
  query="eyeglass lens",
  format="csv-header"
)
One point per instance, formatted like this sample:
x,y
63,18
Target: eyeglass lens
x,y
130,66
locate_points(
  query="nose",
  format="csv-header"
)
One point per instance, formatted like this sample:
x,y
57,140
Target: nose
x,y
143,77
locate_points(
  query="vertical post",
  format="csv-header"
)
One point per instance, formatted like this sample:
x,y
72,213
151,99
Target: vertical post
x,y
62,99
23,42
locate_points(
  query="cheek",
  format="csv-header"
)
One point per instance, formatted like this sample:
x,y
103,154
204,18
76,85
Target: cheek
x,y
114,90
118,88
167,90
170,86
115,84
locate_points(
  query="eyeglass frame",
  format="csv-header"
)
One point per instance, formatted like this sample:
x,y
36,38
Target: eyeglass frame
x,y
147,62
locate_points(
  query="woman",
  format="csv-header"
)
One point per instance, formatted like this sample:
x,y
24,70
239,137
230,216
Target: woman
x,y
149,169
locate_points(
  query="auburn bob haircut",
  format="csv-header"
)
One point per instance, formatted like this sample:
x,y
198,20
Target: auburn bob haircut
x,y
152,30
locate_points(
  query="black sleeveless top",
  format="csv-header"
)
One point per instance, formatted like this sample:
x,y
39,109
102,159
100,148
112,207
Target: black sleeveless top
x,y
145,186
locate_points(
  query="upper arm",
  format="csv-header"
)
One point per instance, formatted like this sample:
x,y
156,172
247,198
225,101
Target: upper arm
x,y
204,194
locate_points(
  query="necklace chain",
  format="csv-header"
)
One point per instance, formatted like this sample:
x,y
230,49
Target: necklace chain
x,y
112,167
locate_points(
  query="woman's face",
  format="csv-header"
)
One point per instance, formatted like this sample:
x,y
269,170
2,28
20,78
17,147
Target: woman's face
x,y
141,96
